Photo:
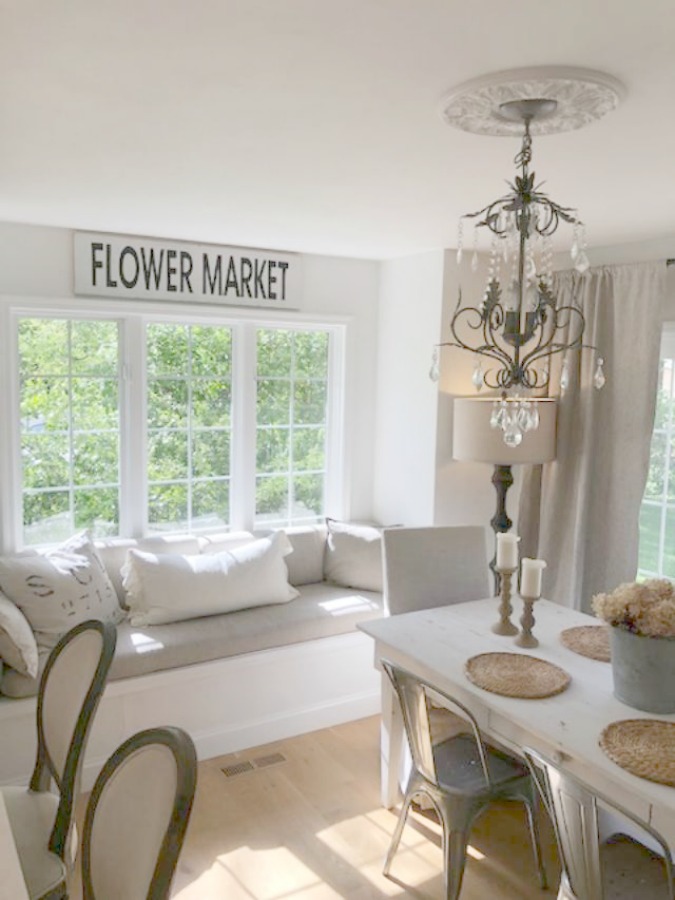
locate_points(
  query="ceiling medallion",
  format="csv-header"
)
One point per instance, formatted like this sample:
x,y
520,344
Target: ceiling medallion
x,y
581,96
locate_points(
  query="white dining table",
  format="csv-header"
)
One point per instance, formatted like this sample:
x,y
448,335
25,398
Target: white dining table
x,y
436,643
12,884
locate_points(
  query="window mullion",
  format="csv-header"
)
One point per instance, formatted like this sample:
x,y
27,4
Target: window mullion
x,y
133,427
243,473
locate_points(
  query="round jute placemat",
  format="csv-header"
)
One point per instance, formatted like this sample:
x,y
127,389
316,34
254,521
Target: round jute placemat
x,y
588,640
516,675
643,747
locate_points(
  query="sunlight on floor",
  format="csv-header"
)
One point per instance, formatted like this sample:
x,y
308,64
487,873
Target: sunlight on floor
x,y
359,842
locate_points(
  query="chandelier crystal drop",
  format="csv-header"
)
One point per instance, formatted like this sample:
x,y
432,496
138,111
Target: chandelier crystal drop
x,y
518,325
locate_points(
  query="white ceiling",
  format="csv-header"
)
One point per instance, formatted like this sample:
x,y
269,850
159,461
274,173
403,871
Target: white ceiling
x,y
314,126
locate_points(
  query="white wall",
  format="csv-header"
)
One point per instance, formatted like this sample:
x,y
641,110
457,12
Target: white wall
x,y
411,293
37,261
464,494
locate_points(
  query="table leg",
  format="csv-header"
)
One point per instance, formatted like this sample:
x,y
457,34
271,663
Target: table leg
x,y
391,743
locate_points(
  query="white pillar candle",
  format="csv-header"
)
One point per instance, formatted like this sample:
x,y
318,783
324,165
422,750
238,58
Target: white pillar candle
x,y
530,577
507,550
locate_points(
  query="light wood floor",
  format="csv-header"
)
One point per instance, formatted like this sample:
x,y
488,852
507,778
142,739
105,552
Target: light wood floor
x,y
311,827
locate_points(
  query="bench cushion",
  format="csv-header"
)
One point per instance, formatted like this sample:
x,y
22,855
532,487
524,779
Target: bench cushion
x,y
321,610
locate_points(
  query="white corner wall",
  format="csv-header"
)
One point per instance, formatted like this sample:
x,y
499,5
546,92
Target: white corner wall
x,y
37,261
464,494
411,291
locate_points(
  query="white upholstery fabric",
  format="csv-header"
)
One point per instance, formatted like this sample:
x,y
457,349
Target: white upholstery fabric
x,y
113,552
18,647
321,610
228,540
16,684
435,566
305,563
31,816
126,836
69,680
59,589
163,588
353,556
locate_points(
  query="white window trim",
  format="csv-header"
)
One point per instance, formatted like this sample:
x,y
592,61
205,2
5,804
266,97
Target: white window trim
x,y
663,505
133,317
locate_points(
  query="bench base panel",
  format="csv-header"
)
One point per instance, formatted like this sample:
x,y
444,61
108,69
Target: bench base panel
x,y
225,705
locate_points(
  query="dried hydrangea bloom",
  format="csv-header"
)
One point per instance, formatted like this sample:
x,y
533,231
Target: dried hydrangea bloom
x,y
661,620
647,608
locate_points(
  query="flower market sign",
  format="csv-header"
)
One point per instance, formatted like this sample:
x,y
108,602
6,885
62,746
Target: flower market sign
x,y
113,265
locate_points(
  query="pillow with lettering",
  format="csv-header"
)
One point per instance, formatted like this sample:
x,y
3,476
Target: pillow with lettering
x,y
59,589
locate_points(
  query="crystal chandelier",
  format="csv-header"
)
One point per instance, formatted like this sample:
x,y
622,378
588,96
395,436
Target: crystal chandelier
x,y
519,324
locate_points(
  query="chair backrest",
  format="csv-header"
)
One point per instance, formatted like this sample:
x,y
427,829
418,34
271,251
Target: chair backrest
x,y
574,811
434,566
137,817
71,687
414,694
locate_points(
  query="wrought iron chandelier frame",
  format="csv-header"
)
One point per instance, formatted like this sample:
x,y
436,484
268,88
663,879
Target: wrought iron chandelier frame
x,y
506,331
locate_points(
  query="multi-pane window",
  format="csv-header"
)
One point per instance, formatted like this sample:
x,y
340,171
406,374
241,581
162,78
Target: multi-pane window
x,y
657,514
69,427
291,422
137,424
189,409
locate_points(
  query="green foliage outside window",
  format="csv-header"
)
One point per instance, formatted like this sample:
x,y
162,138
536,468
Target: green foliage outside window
x,y
657,515
70,426
69,411
292,396
189,400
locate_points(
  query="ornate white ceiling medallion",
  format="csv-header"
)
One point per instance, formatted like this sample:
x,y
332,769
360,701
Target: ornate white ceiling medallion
x,y
582,96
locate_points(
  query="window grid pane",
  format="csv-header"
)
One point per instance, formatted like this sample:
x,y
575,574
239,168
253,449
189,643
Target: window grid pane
x,y
70,434
657,514
189,400
291,426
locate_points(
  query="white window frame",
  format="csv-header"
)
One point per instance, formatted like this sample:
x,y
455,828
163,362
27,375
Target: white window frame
x,y
133,317
667,351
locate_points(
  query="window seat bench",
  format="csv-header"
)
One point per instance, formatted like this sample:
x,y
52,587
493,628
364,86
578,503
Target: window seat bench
x,y
233,681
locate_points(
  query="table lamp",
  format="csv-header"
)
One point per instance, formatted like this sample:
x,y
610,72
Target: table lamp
x,y
476,440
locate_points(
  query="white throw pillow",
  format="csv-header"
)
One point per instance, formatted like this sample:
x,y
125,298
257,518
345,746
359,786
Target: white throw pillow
x,y
353,556
169,587
17,641
60,588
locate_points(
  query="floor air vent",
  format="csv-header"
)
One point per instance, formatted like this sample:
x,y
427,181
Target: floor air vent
x,y
272,759
238,769
260,762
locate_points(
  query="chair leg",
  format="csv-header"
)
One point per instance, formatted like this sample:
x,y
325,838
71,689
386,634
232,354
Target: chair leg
x,y
398,831
533,823
454,845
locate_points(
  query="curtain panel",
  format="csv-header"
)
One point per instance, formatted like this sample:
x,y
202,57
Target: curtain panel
x,y
581,512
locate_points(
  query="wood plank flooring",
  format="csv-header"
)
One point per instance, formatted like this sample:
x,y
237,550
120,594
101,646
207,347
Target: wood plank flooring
x,y
311,827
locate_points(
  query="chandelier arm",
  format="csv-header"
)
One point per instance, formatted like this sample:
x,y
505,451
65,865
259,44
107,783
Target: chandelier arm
x,y
490,348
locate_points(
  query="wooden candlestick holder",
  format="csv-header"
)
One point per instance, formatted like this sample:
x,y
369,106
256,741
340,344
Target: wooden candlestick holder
x,y
526,638
505,625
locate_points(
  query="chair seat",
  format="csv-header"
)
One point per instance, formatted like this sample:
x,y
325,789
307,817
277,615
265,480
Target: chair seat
x,y
31,817
459,768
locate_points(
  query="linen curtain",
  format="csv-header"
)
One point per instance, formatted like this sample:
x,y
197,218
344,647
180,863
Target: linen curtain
x,y
580,513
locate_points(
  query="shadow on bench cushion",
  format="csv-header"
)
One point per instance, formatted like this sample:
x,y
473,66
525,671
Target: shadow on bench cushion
x,y
320,611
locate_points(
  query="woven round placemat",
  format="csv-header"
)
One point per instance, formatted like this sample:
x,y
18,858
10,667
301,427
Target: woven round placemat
x,y
643,747
588,640
516,675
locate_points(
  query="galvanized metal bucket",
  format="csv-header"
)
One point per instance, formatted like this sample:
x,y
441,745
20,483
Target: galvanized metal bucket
x,y
643,670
